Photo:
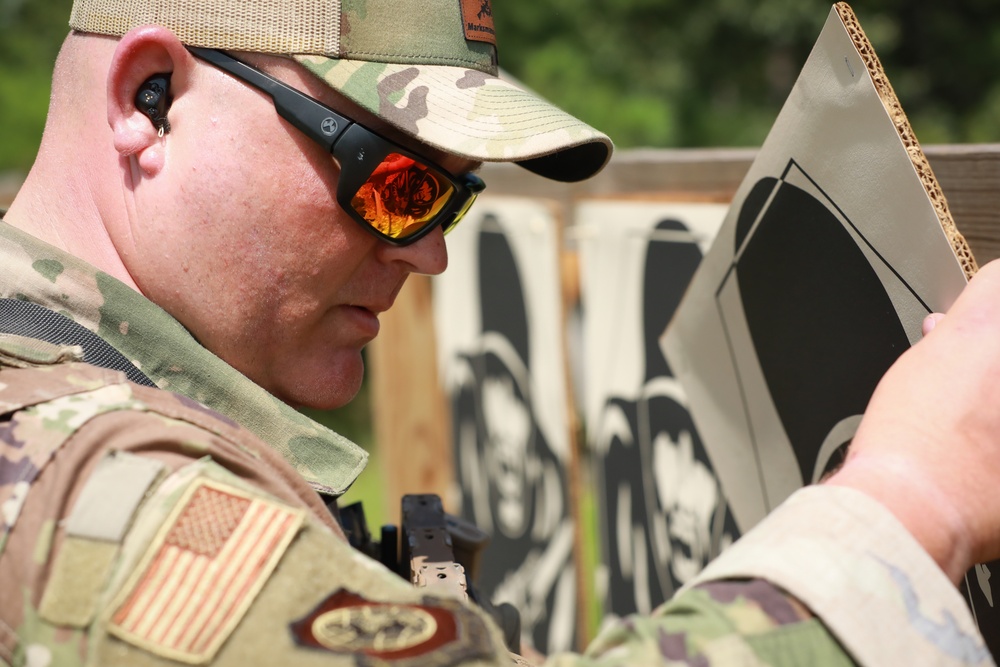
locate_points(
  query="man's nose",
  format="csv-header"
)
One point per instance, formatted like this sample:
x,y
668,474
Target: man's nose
x,y
429,255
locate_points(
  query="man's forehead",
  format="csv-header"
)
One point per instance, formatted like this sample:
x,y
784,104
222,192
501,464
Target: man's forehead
x,y
294,74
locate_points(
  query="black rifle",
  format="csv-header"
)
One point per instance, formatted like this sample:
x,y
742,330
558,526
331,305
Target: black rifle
x,y
436,551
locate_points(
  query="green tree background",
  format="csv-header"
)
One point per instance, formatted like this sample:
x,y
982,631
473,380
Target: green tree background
x,y
652,73
667,73
31,32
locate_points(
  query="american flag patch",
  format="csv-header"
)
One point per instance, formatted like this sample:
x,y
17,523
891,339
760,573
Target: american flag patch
x,y
202,571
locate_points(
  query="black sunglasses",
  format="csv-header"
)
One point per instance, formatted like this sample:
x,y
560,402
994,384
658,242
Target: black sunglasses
x,y
392,192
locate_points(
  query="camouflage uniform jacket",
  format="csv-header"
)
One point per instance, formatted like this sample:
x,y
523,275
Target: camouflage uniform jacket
x,y
138,527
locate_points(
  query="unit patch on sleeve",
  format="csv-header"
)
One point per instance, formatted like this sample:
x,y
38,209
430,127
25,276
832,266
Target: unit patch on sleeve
x,y
436,631
203,570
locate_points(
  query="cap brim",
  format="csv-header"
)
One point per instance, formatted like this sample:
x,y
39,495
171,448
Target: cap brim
x,y
471,114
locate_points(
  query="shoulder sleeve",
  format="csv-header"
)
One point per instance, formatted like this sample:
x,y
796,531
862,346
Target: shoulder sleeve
x,y
150,531
718,624
851,562
829,578
215,572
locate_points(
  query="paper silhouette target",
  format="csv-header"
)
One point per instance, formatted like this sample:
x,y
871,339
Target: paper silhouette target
x,y
663,515
982,589
499,331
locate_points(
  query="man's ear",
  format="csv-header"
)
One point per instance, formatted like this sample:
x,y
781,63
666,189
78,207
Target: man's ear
x,y
144,53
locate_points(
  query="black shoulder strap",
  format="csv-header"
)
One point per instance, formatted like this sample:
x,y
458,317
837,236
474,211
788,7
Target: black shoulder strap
x,y
24,318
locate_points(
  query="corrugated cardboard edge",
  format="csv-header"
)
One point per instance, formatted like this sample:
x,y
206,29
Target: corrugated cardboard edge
x,y
923,168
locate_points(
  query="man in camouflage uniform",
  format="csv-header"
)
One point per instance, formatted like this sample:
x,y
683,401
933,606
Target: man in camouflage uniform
x,y
193,241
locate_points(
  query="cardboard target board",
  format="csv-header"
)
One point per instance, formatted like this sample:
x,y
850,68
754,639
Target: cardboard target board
x,y
498,317
835,247
838,243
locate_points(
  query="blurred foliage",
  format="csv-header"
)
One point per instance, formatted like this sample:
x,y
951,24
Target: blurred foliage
x,y
684,74
31,32
652,73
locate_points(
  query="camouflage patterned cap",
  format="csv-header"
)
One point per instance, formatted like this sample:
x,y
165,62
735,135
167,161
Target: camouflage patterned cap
x,y
428,67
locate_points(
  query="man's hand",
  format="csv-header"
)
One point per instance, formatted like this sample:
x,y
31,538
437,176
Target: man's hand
x,y
928,447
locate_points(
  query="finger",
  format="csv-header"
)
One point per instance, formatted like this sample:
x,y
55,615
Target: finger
x,y
931,321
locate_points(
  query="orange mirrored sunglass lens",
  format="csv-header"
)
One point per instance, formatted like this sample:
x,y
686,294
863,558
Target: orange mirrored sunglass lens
x,y
401,196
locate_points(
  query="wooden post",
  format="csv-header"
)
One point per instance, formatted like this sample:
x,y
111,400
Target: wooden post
x,y
412,420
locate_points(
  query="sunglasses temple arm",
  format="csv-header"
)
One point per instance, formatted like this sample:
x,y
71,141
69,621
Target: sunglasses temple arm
x,y
315,121
310,117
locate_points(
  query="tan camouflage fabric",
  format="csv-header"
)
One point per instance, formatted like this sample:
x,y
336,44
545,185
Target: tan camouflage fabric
x,y
851,562
429,68
160,347
465,112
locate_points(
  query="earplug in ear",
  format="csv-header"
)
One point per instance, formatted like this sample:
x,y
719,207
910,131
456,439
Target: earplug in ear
x,y
153,99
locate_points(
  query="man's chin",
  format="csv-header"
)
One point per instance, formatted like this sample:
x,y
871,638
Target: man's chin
x,y
332,403
323,391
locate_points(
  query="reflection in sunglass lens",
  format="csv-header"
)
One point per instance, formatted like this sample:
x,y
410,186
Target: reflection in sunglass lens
x,y
401,196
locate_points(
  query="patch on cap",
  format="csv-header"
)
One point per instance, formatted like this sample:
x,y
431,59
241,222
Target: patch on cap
x,y
477,21
436,632
202,571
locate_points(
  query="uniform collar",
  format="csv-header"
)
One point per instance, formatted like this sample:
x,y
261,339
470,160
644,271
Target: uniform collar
x,y
168,354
